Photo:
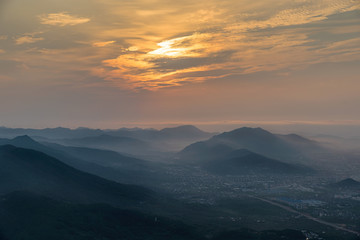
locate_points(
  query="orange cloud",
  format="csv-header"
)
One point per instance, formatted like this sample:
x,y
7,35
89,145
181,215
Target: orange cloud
x,y
145,70
102,44
62,19
28,38
232,40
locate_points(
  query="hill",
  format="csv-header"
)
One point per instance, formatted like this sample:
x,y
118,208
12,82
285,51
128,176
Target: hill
x,y
243,161
109,142
289,148
34,171
183,132
346,184
22,141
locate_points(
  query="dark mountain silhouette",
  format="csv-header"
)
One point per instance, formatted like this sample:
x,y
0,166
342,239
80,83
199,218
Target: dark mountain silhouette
x,y
56,133
22,141
289,148
245,162
179,133
347,184
167,139
108,164
257,140
131,139
105,163
105,141
184,132
100,156
28,216
203,151
303,144
34,171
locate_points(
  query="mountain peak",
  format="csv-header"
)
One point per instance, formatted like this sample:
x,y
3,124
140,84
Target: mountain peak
x,y
23,139
182,128
26,142
250,130
349,181
247,132
184,131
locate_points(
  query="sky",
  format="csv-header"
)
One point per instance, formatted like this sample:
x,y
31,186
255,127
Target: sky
x,y
115,63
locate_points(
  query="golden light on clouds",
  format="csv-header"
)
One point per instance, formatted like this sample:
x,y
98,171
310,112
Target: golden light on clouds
x,y
102,44
239,46
179,47
148,70
133,49
28,38
62,19
159,44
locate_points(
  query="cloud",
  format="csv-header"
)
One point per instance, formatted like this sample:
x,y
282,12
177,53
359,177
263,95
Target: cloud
x,y
102,44
28,38
308,12
157,44
229,41
156,69
62,19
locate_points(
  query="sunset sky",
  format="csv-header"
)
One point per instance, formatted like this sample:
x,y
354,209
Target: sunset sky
x,y
115,63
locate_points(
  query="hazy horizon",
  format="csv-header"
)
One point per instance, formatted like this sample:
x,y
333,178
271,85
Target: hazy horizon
x,y
306,129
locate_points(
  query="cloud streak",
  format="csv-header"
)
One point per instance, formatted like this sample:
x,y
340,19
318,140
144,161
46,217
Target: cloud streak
x,y
102,44
62,19
28,38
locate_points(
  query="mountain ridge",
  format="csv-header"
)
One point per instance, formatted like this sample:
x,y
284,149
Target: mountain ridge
x,y
289,148
26,169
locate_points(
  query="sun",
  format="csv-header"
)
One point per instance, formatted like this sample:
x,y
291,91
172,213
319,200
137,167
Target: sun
x,y
178,47
167,49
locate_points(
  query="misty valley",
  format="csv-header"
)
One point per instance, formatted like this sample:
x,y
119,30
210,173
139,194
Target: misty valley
x,y
177,183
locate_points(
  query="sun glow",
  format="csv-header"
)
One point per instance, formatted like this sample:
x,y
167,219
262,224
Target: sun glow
x,y
166,49
179,47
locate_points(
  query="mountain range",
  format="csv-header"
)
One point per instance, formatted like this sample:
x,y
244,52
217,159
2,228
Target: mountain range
x,y
105,163
131,140
288,148
77,191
